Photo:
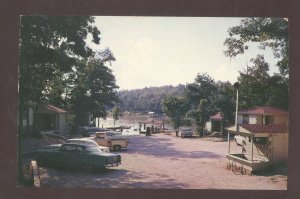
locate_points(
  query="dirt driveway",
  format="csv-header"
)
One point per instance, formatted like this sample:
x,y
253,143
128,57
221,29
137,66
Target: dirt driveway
x,y
167,162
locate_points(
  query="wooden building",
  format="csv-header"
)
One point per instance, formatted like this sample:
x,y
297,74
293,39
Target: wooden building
x,y
155,126
265,132
51,118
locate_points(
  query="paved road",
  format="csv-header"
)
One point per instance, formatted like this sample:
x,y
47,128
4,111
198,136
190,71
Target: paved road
x,y
168,162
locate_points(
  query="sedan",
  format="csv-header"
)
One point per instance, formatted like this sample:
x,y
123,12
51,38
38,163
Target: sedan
x,y
78,156
83,141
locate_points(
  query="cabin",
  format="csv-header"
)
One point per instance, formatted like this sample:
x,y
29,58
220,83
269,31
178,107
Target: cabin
x,y
48,118
265,133
51,118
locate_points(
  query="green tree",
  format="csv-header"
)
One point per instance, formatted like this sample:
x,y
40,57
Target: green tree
x,y
115,114
254,83
258,88
49,45
175,108
147,99
201,115
203,92
225,102
94,91
268,32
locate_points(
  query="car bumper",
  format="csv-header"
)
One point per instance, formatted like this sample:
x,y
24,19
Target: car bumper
x,y
113,161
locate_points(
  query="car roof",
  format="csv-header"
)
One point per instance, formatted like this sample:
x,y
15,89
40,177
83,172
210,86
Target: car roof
x,y
79,144
81,140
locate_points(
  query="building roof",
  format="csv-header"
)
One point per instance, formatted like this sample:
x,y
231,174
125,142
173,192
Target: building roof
x,y
55,109
217,117
260,128
263,110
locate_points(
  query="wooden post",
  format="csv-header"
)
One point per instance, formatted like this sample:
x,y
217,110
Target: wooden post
x,y
140,126
228,143
252,149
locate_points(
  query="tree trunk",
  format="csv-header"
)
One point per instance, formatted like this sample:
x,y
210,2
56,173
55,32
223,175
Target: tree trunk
x,y
34,123
27,118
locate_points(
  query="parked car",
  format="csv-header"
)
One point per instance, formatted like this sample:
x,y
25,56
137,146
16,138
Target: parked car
x,y
115,144
87,141
114,135
185,132
239,140
78,156
88,131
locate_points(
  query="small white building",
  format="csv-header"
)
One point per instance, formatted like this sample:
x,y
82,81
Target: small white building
x,y
52,118
48,118
265,132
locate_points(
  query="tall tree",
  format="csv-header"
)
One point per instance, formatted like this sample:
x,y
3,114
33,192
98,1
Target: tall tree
x,y
201,115
175,108
258,88
225,101
268,32
94,91
202,88
254,83
203,92
47,45
115,114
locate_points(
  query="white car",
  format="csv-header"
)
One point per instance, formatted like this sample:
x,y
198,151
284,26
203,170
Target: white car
x,y
114,135
186,132
87,141
239,140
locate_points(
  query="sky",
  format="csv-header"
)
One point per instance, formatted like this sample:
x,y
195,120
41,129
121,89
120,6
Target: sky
x,y
158,51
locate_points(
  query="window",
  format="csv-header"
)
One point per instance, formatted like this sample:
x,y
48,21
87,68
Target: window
x,y
80,148
68,147
245,119
269,119
260,140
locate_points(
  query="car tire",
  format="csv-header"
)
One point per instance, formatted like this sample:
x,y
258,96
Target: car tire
x,y
88,168
117,148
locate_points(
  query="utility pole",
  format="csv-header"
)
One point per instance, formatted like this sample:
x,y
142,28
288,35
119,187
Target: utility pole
x,y
236,86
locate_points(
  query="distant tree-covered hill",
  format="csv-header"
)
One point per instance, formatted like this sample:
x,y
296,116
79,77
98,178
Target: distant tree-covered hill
x,y
147,99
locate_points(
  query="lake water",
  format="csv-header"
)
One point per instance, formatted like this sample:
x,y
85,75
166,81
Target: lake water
x,y
129,120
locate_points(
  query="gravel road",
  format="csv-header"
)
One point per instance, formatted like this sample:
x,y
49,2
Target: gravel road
x,y
168,162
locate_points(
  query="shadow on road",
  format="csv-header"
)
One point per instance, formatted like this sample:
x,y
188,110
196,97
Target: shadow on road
x,y
108,178
163,147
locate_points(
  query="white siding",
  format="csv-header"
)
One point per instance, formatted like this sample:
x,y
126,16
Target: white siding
x,y
208,126
252,119
280,147
62,122
240,119
30,118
